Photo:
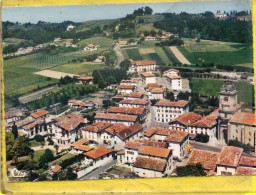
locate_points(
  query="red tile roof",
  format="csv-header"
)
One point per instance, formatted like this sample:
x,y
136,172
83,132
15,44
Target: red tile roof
x,y
126,110
206,122
56,168
173,76
137,144
143,62
176,136
134,95
155,151
98,152
187,119
148,74
245,171
171,70
131,130
207,159
117,127
136,102
247,161
118,117
79,103
97,127
126,86
165,102
39,113
150,163
32,125
85,78
157,90
156,130
243,118
152,85
230,156
70,122
81,145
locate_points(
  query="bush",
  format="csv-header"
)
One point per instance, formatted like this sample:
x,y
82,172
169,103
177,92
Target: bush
x,y
202,138
50,141
32,176
65,163
247,147
39,138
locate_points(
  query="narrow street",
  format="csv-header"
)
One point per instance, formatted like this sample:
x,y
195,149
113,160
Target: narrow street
x,y
96,172
205,146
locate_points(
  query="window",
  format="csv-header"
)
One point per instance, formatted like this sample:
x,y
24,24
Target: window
x,y
249,139
250,133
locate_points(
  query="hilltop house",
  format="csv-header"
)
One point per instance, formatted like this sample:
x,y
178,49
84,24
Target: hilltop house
x,y
85,79
100,59
90,47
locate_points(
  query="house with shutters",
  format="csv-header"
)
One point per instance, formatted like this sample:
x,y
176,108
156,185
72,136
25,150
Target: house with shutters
x,y
142,66
148,77
134,103
124,89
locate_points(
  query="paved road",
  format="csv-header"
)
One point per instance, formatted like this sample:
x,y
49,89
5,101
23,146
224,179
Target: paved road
x,y
205,146
96,172
119,55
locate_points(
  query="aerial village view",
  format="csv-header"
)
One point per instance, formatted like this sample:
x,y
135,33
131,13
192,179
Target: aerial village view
x,y
128,91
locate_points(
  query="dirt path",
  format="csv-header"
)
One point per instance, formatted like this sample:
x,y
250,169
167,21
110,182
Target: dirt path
x,y
119,55
179,55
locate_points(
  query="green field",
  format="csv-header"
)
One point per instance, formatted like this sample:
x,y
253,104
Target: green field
x,y
212,87
133,54
103,42
79,68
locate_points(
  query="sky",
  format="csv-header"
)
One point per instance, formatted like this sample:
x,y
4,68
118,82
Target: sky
x,y
81,13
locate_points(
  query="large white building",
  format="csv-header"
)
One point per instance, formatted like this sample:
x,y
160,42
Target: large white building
x,y
124,89
172,76
156,93
142,66
166,110
148,77
116,118
134,103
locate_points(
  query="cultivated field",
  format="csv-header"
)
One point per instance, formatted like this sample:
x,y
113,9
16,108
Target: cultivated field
x,y
103,42
179,55
147,50
53,74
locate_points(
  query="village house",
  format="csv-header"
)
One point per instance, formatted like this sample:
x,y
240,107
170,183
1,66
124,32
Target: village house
x,y
122,43
107,134
167,110
90,47
100,156
156,133
76,104
40,115
66,128
153,162
150,38
21,123
148,77
142,66
156,93
220,15
175,82
37,127
244,18
134,103
81,146
117,98
93,132
85,79
242,127
124,89
111,86
12,116
140,111
171,71
247,165
128,82
134,95
228,160
116,118
55,169
100,59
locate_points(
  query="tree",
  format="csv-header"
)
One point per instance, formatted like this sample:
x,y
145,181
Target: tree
x,y
247,147
170,96
56,148
70,175
148,11
21,146
204,138
45,158
39,138
15,131
9,140
190,170
125,64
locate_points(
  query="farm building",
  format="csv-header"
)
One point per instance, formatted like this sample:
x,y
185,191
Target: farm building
x,y
90,47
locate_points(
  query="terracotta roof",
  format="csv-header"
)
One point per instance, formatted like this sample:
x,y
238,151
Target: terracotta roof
x,y
56,168
136,101
171,76
187,119
97,127
128,81
119,117
98,152
143,62
127,132
176,136
230,156
171,70
86,78
152,85
134,95
126,86
121,152
156,130
207,121
137,144
247,161
243,118
79,103
91,45
165,102
115,128
150,163
32,125
207,159
155,151
24,122
148,74
80,142
39,113
157,90
126,110
70,122
245,171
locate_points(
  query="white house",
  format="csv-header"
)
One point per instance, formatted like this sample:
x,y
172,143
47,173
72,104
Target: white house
x,y
171,71
70,27
11,117
167,110
148,77
134,95
81,146
156,133
150,38
175,82
40,114
142,66
128,82
90,47
37,127
156,93
100,59
134,103
124,89
116,118
85,79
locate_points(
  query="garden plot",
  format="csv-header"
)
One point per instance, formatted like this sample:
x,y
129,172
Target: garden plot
x,y
54,74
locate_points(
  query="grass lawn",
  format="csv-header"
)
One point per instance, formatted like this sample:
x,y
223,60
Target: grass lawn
x,y
212,87
133,54
241,56
34,143
104,42
79,68
39,153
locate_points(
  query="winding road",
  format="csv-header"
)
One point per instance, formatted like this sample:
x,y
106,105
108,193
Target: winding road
x,y
119,55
